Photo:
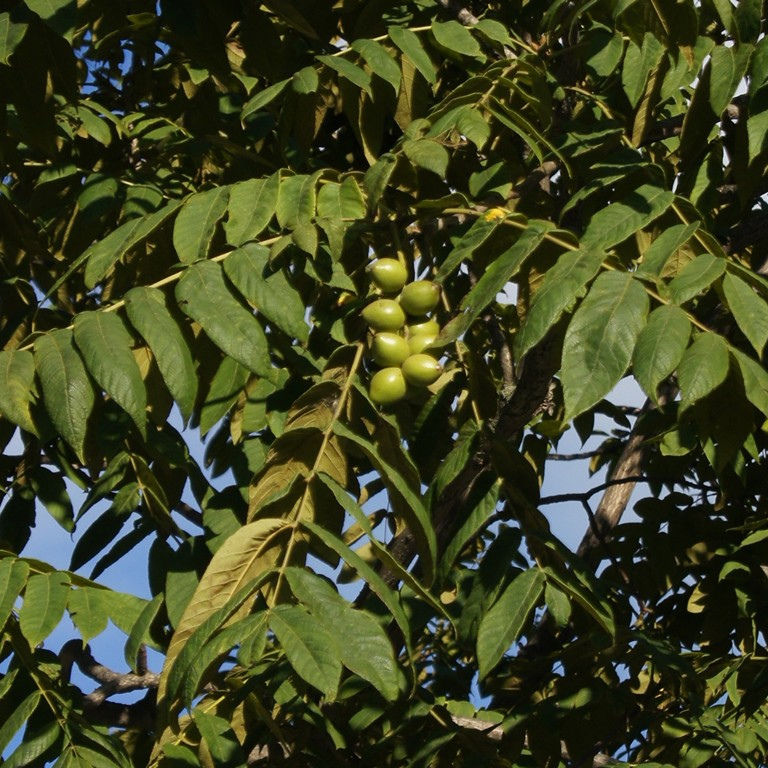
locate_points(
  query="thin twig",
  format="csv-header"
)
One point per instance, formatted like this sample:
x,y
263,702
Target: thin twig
x,y
586,495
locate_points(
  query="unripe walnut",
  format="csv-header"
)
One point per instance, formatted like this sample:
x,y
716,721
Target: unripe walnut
x,y
387,386
389,349
420,297
384,315
421,370
389,275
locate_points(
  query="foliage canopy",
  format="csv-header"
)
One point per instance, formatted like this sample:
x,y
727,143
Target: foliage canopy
x,y
191,193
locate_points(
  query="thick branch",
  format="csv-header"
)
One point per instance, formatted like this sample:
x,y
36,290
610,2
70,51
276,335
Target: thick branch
x,y
112,682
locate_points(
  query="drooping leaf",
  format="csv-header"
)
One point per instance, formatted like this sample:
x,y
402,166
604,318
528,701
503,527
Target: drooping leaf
x,y
148,313
660,347
17,374
103,255
499,272
379,60
600,339
750,311
106,348
196,223
505,621
67,388
428,154
365,649
13,577
18,718
356,75
311,649
410,44
456,38
418,520
204,295
270,292
11,34
618,221
703,367
696,277
45,599
562,284
251,207
250,552
87,608
51,490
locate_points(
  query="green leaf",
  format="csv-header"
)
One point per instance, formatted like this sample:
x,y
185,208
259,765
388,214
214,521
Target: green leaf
x,y
505,621
226,386
410,44
755,380
36,743
365,648
639,62
17,376
600,339
11,34
270,292
472,124
103,255
147,310
196,223
13,577
221,740
244,557
305,80
696,277
251,207
664,246
417,518
504,267
703,368
263,98
341,201
45,599
379,60
470,241
311,649
106,348
561,285
348,70
428,154
618,221
378,586
660,347
60,15
296,202
456,38
749,310
87,608
204,295
727,68
67,389
19,716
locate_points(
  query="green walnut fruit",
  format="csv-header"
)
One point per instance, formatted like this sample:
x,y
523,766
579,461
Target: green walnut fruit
x,y
387,386
389,275
420,342
384,315
389,349
421,370
420,297
427,327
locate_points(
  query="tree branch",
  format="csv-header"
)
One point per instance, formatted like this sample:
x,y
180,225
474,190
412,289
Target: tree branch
x,y
462,14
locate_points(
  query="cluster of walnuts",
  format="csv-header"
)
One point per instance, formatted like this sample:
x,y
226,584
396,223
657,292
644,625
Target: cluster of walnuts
x,y
399,343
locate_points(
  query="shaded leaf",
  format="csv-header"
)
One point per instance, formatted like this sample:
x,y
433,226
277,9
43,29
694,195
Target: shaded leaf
x,y
148,313
17,375
196,223
600,339
204,295
251,207
506,619
750,311
703,367
106,348
68,392
660,347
